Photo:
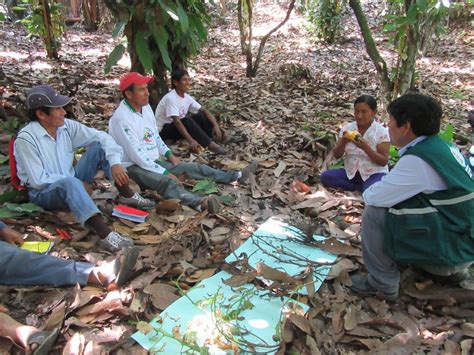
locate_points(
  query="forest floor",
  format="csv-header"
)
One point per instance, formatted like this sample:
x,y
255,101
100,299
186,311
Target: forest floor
x,y
287,118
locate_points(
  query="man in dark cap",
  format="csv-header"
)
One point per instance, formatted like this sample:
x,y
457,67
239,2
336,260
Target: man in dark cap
x,y
44,152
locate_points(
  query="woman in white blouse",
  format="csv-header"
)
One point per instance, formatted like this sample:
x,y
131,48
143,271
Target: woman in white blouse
x,y
365,145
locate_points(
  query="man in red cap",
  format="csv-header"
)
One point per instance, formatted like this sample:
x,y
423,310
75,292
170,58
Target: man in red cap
x,y
133,126
44,152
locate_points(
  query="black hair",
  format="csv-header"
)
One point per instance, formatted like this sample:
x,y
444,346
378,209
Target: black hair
x,y
177,75
32,112
369,100
423,112
131,88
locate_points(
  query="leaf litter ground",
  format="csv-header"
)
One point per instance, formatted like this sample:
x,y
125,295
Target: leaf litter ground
x,y
287,118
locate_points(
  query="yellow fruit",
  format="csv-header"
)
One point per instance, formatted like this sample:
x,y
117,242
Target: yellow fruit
x,y
352,135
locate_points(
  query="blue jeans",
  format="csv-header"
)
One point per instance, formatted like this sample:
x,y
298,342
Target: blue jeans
x,y
69,192
22,267
170,189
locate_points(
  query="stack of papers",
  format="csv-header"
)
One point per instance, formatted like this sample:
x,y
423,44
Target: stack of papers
x,y
132,214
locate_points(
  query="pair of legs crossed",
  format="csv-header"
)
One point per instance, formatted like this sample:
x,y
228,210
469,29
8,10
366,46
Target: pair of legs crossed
x,y
337,178
170,189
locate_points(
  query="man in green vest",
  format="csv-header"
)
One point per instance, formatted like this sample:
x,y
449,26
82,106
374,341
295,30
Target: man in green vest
x,y
422,212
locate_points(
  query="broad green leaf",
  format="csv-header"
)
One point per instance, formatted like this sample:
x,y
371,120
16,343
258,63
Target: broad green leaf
x,y
394,152
227,200
3,158
143,50
118,30
198,26
337,165
448,134
14,195
6,213
206,186
411,14
169,10
183,18
23,207
114,57
422,5
161,39
2,16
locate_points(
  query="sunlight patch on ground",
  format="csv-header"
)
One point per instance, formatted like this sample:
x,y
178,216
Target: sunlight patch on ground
x,y
40,65
13,55
125,62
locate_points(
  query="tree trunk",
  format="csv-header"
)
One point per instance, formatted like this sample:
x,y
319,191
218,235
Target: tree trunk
x,y
49,41
254,68
90,10
159,87
371,47
245,23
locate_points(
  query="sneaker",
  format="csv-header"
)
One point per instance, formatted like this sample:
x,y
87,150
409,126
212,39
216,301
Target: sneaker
x,y
248,170
114,242
137,201
361,285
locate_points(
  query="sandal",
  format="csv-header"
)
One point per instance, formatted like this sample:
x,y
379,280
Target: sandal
x,y
45,341
124,265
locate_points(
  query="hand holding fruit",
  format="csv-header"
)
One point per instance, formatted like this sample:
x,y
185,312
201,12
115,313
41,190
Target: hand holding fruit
x,y
352,135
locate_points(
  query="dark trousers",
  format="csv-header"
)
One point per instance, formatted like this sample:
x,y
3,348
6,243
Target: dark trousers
x,y
198,126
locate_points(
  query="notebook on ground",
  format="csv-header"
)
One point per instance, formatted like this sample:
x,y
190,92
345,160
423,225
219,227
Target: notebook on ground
x,y
130,213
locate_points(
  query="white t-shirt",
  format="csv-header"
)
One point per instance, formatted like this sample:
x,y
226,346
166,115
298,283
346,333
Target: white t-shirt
x,y
356,159
138,135
173,105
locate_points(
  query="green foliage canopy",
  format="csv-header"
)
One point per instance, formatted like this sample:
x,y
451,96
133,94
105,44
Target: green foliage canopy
x,y
158,31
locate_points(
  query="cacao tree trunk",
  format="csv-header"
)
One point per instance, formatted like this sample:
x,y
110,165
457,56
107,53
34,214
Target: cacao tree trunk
x,y
90,10
49,41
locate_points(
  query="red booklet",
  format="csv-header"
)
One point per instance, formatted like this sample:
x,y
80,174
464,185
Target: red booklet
x,y
130,213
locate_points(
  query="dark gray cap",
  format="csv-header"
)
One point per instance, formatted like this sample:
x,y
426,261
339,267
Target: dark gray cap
x,y
45,96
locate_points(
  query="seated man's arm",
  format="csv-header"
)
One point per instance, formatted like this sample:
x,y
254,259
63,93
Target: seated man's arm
x,y
409,177
83,136
127,138
164,150
29,162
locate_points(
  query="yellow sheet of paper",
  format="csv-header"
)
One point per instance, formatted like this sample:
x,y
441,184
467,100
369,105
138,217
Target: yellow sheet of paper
x,y
37,247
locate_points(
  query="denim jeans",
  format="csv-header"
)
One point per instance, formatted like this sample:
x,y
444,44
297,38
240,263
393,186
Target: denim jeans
x,y
170,189
69,192
22,267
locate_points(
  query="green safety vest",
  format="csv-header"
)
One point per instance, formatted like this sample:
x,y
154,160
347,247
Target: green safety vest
x,y
436,228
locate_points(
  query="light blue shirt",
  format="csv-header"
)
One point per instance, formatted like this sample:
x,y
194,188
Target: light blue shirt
x,y
2,225
42,160
409,177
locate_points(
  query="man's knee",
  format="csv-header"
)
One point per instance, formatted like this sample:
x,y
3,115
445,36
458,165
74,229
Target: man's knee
x,y
70,185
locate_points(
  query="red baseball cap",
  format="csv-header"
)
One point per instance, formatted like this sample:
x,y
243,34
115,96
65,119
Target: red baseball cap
x,y
133,78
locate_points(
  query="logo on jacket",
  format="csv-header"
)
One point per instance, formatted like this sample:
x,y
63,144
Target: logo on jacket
x,y
147,135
